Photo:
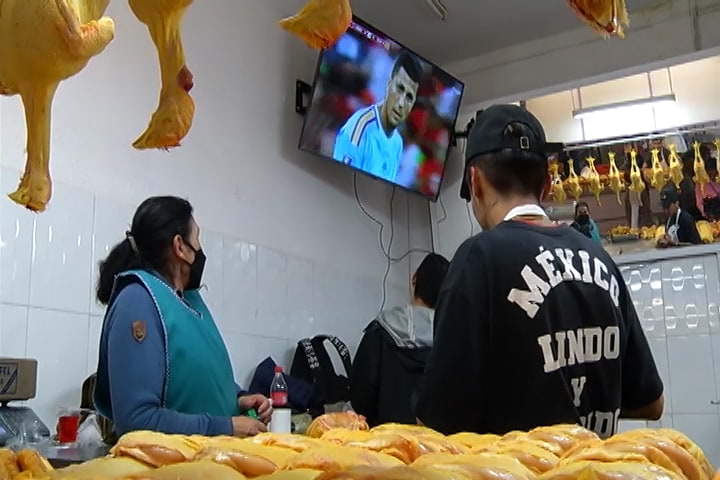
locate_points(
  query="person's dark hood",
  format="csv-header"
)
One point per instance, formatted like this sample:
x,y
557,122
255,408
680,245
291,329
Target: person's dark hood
x,y
410,326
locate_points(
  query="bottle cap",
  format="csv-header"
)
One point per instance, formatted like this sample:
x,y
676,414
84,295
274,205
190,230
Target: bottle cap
x,y
278,369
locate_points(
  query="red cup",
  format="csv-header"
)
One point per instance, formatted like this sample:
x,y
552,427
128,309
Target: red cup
x,y
68,426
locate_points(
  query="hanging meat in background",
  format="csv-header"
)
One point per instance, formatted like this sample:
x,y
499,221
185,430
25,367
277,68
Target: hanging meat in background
x,y
607,17
320,23
173,118
41,44
617,184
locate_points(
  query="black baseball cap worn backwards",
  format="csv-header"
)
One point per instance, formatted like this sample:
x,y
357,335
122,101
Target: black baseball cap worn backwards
x,y
503,129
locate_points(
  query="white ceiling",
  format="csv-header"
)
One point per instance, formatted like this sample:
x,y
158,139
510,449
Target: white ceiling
x,y
473,27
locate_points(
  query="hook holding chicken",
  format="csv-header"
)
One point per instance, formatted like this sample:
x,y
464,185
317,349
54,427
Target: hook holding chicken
x,y
701,175
558,189
320,23
173,118
657,178
596,186
573,181
636,181
617,184
42,43
676,173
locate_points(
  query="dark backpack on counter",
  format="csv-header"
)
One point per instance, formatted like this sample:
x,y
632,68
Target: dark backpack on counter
x,y
313,364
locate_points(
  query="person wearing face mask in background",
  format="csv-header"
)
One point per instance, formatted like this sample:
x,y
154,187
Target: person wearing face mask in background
x,y
163,365
584,224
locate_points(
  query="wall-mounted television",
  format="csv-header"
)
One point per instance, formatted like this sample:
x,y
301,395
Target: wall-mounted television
x,y
382,109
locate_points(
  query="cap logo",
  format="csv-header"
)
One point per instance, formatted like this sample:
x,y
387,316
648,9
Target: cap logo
x,y
524,143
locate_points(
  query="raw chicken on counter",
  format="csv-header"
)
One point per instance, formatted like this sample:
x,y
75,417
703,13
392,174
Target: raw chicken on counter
x,y
320,23
43,42
392,451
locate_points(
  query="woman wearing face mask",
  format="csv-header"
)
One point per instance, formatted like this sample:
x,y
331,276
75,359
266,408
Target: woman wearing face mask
x,y
584,224
163,365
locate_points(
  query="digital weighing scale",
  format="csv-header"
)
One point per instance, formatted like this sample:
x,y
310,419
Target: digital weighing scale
x,y
18,380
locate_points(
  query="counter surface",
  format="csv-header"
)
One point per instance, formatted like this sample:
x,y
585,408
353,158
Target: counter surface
x,y
645,252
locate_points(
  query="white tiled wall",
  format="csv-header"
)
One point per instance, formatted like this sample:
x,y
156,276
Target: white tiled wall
x,y
677,302
263,299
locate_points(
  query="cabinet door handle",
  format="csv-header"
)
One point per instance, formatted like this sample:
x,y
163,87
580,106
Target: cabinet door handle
x,y
714,402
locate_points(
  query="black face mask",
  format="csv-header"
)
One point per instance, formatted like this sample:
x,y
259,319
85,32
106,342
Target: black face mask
x,y
196,268
583,219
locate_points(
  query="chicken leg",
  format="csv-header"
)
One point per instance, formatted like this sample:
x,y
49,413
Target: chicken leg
x,y
173,118
320,23
676,169
43,42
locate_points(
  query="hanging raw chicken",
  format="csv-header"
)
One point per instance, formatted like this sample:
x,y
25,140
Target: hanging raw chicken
x,y
617,184
676,173
42,43
701,175
173,118
320,23
657,179
573,182
607,17
596,186
636,181
558,189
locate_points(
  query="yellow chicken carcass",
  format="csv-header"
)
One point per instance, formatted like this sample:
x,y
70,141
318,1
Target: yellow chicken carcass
x,y
43,42
245,456
481,465
701,176
474,440
589,470
189,471
330,458
173,118
637,184
330,421
607,17
557,187
706,231
657,179
617,184
115,467
596,186
320,23
573,182
676,169
156,449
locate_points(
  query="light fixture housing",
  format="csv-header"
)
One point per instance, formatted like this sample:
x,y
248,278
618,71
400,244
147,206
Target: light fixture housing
x,y
439,8
630,104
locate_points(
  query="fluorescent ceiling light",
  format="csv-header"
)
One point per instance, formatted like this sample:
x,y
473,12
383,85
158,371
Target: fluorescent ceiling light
x,y
613,107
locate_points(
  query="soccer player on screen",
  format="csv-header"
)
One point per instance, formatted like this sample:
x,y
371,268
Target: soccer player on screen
x,y
369,140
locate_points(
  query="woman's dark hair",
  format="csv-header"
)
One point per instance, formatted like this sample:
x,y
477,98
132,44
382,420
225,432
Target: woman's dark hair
x,y
579,205
156,222
688,161
429,277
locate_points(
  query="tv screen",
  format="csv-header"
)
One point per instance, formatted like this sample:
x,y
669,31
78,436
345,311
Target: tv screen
x,y
383,110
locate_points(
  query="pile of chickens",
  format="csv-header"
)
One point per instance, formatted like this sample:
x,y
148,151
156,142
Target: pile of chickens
x,y
709,231
389,452
657,176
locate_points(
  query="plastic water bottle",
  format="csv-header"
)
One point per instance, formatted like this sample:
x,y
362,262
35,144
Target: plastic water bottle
x,y
281,421
279,389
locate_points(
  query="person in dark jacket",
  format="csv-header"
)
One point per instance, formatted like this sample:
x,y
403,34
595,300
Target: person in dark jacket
x,y
687,187
392,355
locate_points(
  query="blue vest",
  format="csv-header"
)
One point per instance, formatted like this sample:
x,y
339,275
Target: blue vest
x,y
199,376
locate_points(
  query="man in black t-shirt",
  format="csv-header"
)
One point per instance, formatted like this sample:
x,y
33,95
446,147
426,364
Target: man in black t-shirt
x,y
680,227
535,325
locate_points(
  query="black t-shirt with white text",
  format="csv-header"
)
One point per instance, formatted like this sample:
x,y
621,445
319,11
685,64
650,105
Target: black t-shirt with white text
x,y
535,326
